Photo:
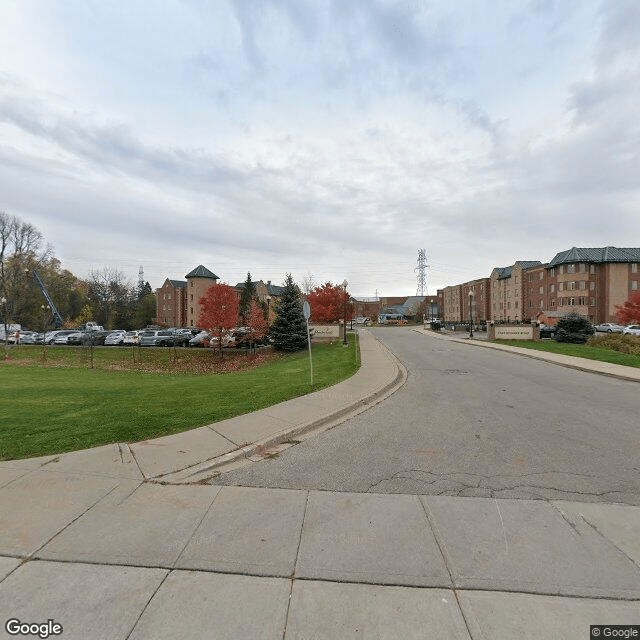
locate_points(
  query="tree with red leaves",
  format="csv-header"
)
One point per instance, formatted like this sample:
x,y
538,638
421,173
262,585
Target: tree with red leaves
x,y
256,322
219,311
629,312
328,303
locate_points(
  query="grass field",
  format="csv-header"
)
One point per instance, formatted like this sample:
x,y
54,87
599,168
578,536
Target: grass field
x,y
579,350
62,404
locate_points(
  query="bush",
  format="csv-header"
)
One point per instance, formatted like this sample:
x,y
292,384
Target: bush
x,y
574,328
617,342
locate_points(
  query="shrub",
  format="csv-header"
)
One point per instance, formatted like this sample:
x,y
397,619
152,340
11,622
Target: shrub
x,y
617,342
574,328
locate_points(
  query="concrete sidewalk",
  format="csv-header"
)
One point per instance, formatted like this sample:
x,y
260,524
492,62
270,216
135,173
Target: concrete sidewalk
x,y
128,541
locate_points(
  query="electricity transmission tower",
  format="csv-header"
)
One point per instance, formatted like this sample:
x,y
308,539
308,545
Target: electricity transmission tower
x,y
422,272
140,278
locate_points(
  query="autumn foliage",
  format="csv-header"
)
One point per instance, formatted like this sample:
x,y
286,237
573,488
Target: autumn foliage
x,y
256,322
219,311
328,303
629,312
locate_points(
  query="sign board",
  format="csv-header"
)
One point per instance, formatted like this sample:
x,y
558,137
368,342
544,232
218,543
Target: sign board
x,y
325,331
523,332
306,310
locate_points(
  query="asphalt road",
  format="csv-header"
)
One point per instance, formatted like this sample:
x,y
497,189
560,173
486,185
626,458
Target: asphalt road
x,y
475,422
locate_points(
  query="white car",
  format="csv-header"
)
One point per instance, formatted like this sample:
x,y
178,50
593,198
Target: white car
x,y
632,329
131,338
61,336
115,337
609,327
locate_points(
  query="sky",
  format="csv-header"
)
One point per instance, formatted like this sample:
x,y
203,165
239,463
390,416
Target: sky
x,y
329,139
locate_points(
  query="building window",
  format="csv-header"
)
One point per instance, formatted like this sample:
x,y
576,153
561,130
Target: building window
x,y
634,285
191,283
571,268
541,290
530,277
593,302
592,286
571,286
572,302
541,304
560,286
552,288
192,309
583,285
583,267
582,301
552,271
516,305
592,268
541,276
553,303
634,267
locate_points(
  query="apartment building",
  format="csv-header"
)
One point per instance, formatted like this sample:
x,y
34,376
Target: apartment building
x,y
177,300
507,298
452,307
591,281
475,299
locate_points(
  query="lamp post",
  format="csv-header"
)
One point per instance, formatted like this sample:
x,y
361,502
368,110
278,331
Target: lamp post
x,y
3,302
470,314
268,311
344,341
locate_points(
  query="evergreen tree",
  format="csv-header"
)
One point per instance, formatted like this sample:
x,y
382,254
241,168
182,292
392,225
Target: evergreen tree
x,y
248,294
289,329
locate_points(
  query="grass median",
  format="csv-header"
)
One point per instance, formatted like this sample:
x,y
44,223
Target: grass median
x,y
579,350
64,403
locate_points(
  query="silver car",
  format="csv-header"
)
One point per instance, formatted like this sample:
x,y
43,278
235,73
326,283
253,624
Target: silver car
x,y
609,327
632,329
115,337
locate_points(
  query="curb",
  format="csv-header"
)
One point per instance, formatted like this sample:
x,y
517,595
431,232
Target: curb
x,y
535,355
204,471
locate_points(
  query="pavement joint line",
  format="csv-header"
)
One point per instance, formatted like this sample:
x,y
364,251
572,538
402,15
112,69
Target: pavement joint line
x,y
151,597
66,526
602,535
193,533
133,455
438,538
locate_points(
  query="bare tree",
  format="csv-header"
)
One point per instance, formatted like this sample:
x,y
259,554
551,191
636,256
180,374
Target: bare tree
x,y
110,293
309,283
20,252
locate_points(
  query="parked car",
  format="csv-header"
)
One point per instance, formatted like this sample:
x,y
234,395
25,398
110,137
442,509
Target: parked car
x,y
94,338
547,332
228,339
131,338
200,339
75,338
27,337
49,336
632,329
115,338
362,320
152,338
181,337
609,327
61,336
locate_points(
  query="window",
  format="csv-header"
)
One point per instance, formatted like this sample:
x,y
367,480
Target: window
x,y
192,297
553,303
541,290
582,301
583,267
552,288
516,305
541,304
561,270
508,305
552,271
560,286
530,304
592,286
191,283
571,286
583,285
592,268
634,267
192,310
530,277
634,285
593,302
571,268
572,302
541,275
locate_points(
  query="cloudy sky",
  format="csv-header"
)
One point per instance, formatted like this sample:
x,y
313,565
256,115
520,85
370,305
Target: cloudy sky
x,y
324,137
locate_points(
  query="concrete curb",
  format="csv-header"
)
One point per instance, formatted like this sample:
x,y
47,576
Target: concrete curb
x,y
278,442
552,358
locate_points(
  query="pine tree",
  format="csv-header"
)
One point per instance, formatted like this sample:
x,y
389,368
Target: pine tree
x,y
248,294
289,329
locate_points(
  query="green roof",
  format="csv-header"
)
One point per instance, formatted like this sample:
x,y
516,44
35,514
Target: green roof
x,y
602,254
202,272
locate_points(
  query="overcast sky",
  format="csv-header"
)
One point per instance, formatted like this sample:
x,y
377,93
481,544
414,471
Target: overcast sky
x,y
331,137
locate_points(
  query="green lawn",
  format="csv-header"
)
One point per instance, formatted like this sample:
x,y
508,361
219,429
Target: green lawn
x,y
63,404
579,350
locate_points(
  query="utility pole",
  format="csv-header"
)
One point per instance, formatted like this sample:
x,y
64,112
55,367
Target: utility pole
x,y
422,272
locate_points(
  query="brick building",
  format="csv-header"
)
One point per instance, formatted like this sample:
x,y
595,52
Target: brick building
x,y
476,293
507,299
177,300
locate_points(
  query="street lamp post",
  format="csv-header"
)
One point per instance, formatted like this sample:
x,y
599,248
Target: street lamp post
x,y
470,314
3,302
268,311
344,341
